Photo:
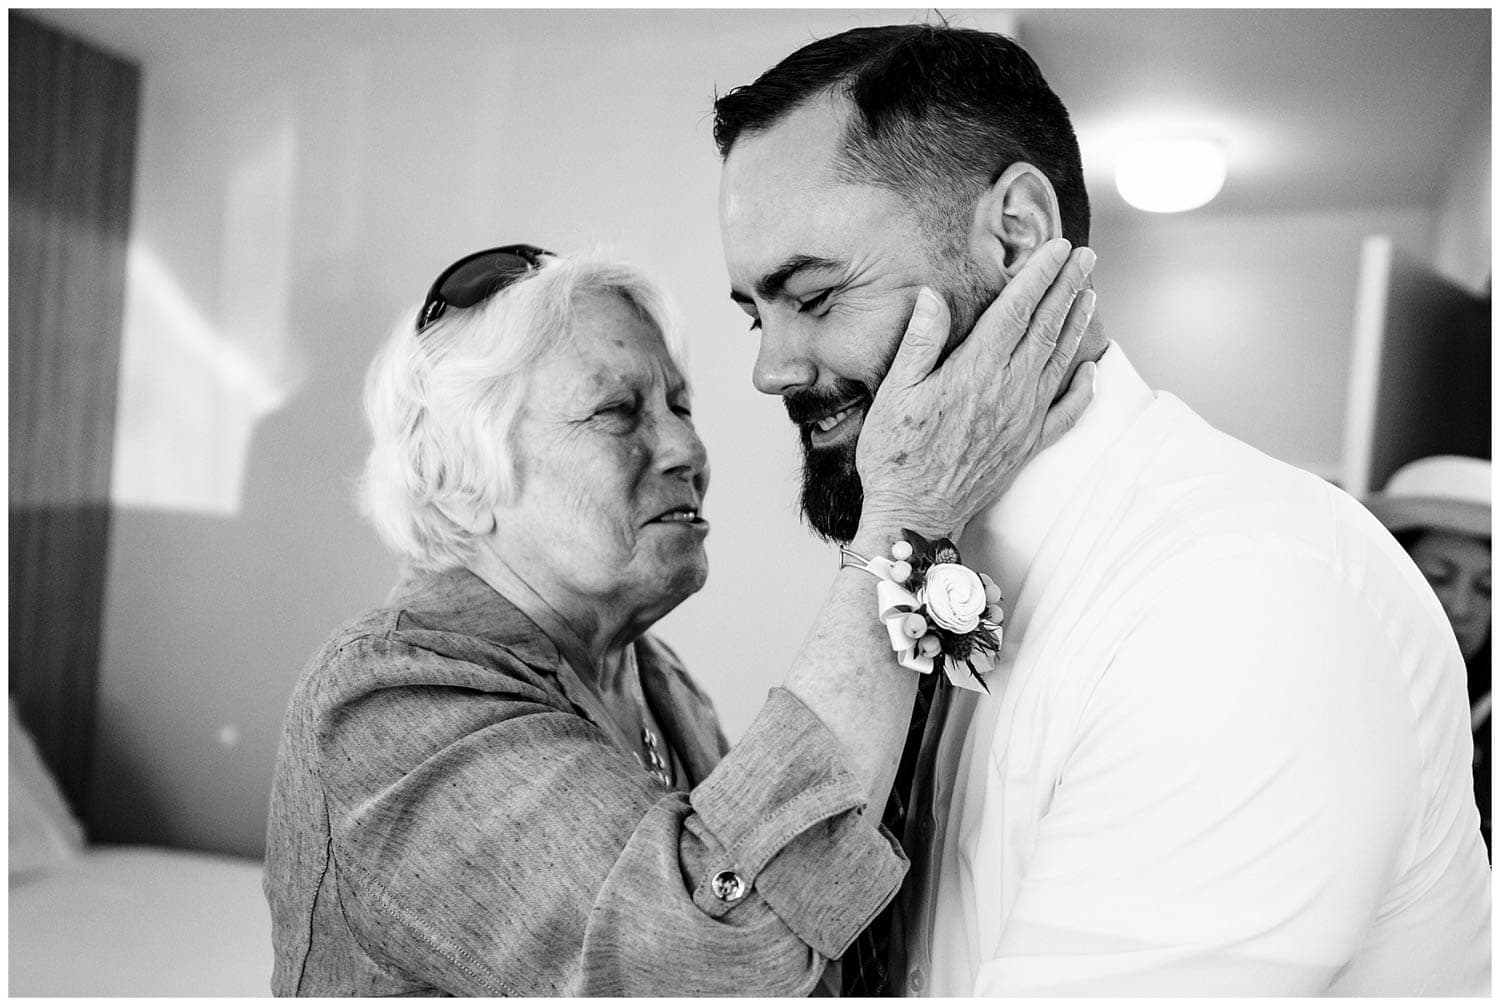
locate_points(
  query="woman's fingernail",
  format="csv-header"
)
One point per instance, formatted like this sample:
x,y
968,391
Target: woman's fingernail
x,y
926,309
1086,260
1060,249
1093,374
1086,303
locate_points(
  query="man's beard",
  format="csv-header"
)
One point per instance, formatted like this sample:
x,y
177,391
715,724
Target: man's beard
x,y
832,494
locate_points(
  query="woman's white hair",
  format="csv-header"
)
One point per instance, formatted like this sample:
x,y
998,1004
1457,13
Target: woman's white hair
x,y
442,405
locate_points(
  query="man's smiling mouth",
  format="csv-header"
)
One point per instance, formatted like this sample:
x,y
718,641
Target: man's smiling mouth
x,y
829,422
837,424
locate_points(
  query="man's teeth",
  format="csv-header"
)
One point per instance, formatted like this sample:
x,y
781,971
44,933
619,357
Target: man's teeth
x,y
824,425
680,515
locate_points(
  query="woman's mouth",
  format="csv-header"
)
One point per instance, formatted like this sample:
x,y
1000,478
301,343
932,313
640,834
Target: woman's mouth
x,y
684,516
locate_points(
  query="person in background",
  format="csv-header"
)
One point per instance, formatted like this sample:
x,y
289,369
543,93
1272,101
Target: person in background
x,y
1225,749
500,783
1439,509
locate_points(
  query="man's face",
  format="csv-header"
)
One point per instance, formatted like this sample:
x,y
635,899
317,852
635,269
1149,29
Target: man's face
x,y
829,271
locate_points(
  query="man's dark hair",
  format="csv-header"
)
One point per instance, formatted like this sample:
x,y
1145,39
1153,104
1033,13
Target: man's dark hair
x,y
942,112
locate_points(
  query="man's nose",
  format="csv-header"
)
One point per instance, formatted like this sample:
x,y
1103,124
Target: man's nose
x,y
782,365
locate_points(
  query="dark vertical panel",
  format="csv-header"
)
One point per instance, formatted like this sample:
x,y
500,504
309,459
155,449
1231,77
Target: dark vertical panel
x,y
1434,395
72,158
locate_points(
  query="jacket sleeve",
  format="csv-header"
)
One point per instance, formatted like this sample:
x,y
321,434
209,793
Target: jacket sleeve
x,y
489,840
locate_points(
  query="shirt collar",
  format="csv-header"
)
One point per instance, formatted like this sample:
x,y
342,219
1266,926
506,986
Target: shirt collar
x,y
1011,530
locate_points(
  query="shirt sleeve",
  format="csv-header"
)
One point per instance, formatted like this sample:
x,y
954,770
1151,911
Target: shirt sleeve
x,y
1239,793
489,842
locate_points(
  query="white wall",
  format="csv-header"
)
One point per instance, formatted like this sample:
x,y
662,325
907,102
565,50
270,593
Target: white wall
x,y
1462,251
1247,319
302,177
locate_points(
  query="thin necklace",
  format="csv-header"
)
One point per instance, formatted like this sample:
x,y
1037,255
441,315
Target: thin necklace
x,y
655,761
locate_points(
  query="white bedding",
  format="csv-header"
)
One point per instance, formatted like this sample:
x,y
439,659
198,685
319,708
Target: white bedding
x,y
137,921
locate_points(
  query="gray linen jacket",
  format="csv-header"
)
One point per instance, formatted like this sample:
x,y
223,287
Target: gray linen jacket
x,y
448,816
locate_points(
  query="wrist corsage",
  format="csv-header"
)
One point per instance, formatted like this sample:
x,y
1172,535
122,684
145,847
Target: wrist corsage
x,y
940,614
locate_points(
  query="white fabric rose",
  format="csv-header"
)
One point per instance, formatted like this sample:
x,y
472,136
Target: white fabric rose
x,y
954,597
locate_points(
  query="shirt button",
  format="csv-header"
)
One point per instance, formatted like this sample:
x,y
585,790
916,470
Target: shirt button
x,y
728,886
915,981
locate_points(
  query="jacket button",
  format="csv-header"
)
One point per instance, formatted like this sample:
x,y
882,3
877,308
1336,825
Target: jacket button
x,y
728,886
916,980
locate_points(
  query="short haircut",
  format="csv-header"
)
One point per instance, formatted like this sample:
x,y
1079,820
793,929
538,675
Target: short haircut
x,y
442,405
942,113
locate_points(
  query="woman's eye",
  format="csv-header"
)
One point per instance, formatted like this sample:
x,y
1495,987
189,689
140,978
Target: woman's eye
x,y
619,409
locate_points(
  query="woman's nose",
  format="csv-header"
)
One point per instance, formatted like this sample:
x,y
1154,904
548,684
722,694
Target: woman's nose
x,y
782,365
680,450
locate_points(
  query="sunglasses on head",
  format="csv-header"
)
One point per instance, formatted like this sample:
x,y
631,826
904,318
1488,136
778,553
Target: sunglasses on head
x,y
477,277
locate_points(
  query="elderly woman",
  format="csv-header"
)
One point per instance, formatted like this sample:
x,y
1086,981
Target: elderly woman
x,y
500,783
1438,508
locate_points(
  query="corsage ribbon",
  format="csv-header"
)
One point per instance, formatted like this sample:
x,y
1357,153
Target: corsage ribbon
x,y
936,613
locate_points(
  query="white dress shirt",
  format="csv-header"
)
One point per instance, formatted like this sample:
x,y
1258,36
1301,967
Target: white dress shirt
x,y
1228,747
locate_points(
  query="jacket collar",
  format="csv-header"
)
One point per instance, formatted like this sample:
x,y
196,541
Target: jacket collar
x,y
459,601
456,600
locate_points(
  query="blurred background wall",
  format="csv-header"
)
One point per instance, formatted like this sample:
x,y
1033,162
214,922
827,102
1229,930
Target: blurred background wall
x,y
302,175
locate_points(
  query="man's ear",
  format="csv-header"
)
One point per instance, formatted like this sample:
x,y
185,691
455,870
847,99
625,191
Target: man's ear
x,y
1014,217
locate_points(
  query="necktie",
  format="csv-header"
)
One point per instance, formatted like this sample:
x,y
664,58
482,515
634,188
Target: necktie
x,y
867,965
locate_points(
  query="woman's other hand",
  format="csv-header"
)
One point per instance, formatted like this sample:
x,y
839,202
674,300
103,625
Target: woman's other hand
x,y
942,442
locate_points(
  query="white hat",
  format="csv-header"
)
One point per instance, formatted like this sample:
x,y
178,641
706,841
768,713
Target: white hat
x,y
1444,492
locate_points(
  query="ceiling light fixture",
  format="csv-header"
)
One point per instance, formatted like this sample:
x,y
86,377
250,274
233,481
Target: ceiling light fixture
x,y
1170,175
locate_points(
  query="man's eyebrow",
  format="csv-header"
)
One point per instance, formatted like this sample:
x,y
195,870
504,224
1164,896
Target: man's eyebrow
x,y
770,286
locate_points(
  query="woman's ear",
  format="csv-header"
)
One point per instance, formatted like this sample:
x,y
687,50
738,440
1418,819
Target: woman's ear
x,y
468,516
1014,217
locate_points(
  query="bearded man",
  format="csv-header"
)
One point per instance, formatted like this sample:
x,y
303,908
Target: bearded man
x,y
1226,745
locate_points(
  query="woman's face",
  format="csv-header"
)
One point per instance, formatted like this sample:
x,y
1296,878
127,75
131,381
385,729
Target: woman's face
x,y
611,475
1458,568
